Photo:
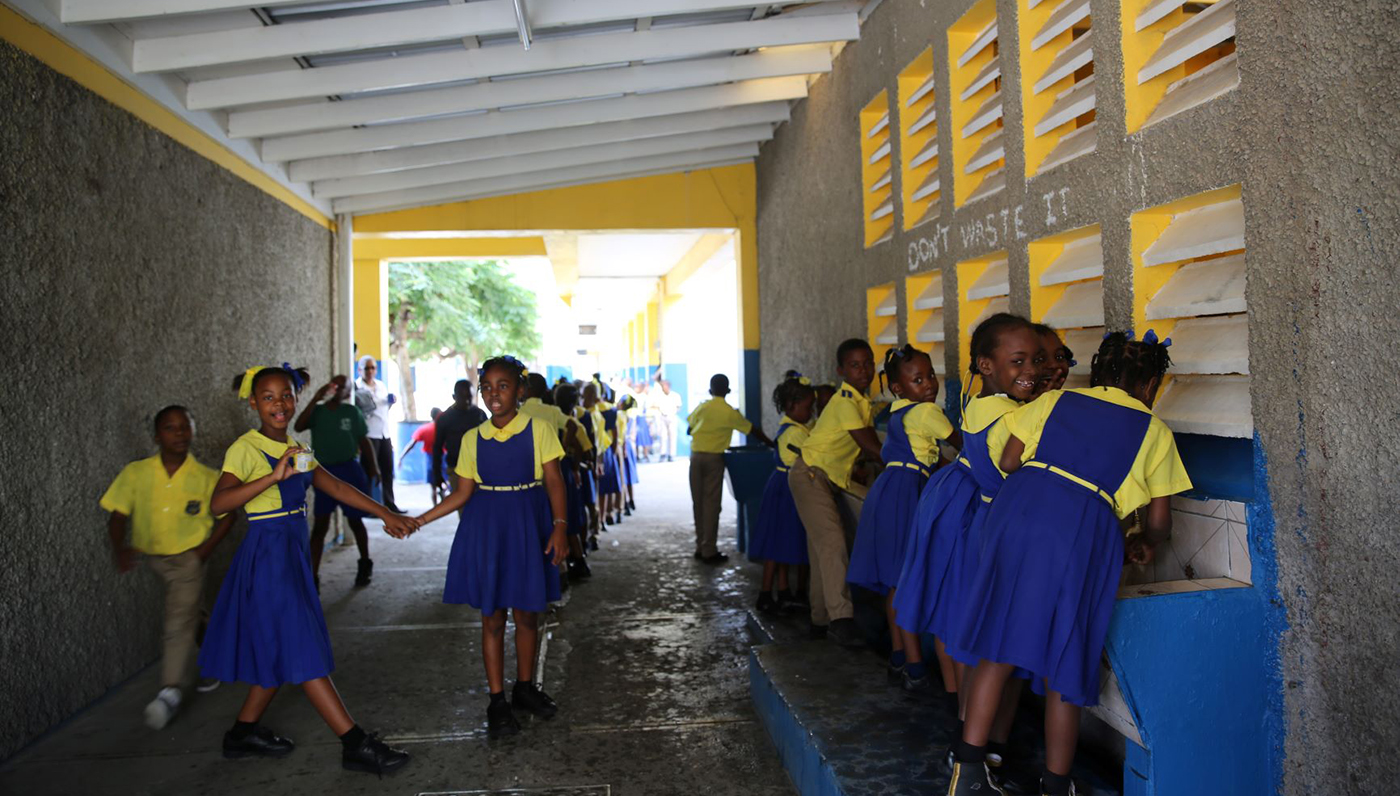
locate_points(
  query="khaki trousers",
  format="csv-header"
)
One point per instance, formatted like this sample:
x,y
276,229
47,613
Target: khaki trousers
x,y
828,550
706,491
183,575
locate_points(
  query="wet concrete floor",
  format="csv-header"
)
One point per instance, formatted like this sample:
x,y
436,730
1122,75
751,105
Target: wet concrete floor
x,y
648,661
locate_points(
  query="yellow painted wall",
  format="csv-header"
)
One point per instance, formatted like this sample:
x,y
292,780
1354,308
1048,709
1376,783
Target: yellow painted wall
x,y
445,248
715,199
653,314
371,312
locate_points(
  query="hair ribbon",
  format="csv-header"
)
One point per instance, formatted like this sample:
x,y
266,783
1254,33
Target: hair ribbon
x,y
245,388
297,382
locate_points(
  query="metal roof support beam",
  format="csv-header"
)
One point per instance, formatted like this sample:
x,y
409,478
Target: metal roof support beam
x,y
73,12
483,96
495,123
391,29
522,24
384,161
532,180
550,55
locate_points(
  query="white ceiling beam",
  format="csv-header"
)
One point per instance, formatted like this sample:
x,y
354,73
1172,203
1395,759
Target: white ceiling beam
x,y
366,163
553,184
556,159
302,118
391,29
525,180
548,55
72,12
494,123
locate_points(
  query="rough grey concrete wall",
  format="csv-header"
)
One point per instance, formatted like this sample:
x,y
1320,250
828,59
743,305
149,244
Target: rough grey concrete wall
x,y
133,274
1323,220
1309,133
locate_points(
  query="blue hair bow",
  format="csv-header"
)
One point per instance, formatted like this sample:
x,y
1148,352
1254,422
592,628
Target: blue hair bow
x,y
297,381
1150,337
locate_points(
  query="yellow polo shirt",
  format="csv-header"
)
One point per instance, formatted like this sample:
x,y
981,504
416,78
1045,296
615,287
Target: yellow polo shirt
x,y
712,424
244,459
546,442
794,435
830,447
169,512
924,425
1157,470
549,414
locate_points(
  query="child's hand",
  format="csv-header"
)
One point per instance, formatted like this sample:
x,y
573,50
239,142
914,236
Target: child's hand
x,y
558,546
1138,551
399,526
285,467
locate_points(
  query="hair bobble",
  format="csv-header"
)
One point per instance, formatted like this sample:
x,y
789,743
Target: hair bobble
x,y
297,382
245,387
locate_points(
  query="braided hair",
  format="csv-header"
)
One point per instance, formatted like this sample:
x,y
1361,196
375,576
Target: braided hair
x,y
985,337
790,391
566,398
507,362
1124,363
296,377
895,357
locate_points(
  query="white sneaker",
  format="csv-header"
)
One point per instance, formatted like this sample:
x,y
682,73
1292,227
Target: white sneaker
x,y
207,685
163,708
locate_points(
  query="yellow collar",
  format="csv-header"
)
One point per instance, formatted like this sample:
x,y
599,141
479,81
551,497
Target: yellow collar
x,y
853,393
1116,396
900,404
983,411
158,466
490,432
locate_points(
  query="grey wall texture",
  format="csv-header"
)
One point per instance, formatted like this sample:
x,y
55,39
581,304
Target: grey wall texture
x,y
133,274
1309,133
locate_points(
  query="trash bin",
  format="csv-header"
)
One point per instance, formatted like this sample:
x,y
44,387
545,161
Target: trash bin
x,y
747,469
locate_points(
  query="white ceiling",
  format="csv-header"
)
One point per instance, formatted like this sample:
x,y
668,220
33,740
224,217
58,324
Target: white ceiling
x,y
384,104
620,255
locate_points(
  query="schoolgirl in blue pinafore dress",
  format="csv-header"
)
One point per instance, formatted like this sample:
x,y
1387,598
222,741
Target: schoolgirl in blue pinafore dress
x,y
643,441
944,547
267,627
497,559
629,448
779,535
1043,594
611,481
883,531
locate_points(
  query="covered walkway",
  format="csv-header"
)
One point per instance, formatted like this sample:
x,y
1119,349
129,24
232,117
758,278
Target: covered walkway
x,y
648,660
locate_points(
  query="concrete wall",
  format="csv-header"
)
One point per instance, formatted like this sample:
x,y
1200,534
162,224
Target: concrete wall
x,y
1311,140
133,274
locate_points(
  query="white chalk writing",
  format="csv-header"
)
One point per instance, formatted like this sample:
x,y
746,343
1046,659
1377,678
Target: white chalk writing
x,y
924,251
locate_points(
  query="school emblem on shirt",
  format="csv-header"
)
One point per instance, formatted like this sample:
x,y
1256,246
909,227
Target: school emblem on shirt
x,y
345,425
192,508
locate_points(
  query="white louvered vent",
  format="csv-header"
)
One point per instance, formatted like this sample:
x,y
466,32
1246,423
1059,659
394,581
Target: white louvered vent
x,y
1058,63
999,304
1202,288
1212,345
1195,57
1208,405
1084,344
888,335
1081,259
888,306
994,281
930,298
932,330
1081,305
877,170
1208,230
978,110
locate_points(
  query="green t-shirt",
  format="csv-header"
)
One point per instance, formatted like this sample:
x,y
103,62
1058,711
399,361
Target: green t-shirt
x,y
336,432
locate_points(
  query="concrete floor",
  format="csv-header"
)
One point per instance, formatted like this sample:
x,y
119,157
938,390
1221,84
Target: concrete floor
x,y
648,662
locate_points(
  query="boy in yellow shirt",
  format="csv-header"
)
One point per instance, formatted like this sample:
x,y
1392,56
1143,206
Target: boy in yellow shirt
x,y
166,499
844,430
712,423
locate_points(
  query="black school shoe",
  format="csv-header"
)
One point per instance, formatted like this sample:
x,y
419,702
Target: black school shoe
x,y
258,742
373,755
970,778
844,632
578,569
528,697
500,719
364,573
766,603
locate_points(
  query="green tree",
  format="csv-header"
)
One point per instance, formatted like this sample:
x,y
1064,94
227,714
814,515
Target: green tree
x,y
457,308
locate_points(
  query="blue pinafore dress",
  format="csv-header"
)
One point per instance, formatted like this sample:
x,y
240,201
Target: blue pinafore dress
x,y
589,490
1043,594
497,559
629,448
643,432
883,532
575,513
944,546
779,535
267,627
610,482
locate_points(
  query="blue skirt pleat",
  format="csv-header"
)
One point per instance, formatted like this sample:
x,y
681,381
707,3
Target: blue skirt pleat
x,y
588,491
1044,594
267,627
498,560
931,585
643,432
631,451
778,535
609,482
574,513
877,558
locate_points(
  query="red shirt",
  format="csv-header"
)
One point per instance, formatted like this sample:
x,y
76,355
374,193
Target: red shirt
x,y
426,435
